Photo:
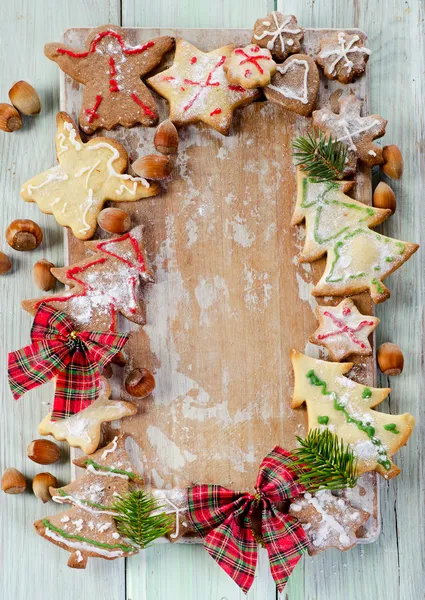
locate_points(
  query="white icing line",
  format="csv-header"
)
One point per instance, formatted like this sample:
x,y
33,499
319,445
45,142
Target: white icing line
x,y
89,205
77,502
91,169
114,157
84,546
123,187
277,32
51,177
343,51
82,171
92,469
72,135
285,91
110,450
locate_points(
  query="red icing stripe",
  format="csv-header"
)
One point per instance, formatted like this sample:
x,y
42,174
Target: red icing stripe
x,y
216,111
236,88
92,111
145,108
100,36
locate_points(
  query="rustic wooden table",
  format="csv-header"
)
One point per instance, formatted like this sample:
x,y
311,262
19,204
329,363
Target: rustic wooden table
x,y
393,567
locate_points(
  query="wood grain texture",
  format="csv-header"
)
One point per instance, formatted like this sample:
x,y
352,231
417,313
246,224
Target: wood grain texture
x,y
396,34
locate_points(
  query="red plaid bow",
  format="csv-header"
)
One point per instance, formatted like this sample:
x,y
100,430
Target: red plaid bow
x,y
57,350
226,519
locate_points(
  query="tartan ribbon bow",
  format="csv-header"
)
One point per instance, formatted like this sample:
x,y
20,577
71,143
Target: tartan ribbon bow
x,y
232,523
57,350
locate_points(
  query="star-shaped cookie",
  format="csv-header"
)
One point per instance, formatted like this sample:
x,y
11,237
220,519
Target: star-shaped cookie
x,y
197,89
83,429
111,70
87,175
329,521
355,131
343,330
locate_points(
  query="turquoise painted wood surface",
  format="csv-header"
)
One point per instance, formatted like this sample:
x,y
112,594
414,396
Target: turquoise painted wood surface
x,y
393,567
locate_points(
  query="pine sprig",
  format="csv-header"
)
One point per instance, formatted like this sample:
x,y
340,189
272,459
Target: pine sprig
x,y
325,462
135,521
320,157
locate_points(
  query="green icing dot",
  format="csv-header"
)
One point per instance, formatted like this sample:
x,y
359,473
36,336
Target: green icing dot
x,y
367,393
323,420
391,427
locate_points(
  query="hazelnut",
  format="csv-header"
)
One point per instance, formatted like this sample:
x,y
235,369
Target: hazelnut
x,y
384,197
13,482
43,452
153,166
390,359
24,97
23,235
43,277
10,119
166,138
41,484
393,162
5,263
114,220
140,383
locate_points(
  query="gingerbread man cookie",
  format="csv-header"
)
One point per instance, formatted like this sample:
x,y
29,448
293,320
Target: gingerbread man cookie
x,y
329,521
250,67
111,70
295,85
343,56
87,175
343,330
278,33
355,131
197,89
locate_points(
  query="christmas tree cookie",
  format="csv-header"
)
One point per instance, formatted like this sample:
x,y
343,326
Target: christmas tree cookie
x,y
104,284
75,190
197,88
83,429
345,407
358,259
111,69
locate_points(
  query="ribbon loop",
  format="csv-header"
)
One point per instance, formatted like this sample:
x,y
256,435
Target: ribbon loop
x,y
58,350
227,521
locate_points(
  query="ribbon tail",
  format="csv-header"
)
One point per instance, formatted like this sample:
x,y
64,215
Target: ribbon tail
x,y
35,364
285,541
77,386
235,550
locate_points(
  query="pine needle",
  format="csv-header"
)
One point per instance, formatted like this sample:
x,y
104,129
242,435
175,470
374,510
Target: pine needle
x,y
320,157
325,462
135,521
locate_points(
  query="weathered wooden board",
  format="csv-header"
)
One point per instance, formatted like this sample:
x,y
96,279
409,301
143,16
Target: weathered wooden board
x,y
230,298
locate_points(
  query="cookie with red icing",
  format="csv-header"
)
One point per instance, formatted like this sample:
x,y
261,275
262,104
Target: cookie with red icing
x,y
102,285
111,67
250,67
197,88
295,85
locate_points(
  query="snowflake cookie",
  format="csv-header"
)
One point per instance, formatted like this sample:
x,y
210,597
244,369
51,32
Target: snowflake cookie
x,y
343,56
295,84
197,89
329,521
343,330
250,67
355,131
111,70
279,33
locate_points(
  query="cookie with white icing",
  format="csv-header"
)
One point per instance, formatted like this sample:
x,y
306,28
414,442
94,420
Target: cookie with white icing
x,y
250,67
174,503
329,521
197,88
75,190
279,33
295,84
354,130
343,56
83,429
343,330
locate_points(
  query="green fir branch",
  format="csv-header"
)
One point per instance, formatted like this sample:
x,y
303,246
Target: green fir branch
x,y
320,157
135,520
325,462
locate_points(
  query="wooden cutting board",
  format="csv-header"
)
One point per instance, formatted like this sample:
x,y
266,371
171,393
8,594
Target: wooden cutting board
x,y
230,299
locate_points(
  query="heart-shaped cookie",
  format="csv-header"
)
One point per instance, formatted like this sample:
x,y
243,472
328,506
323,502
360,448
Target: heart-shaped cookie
x,y
295,84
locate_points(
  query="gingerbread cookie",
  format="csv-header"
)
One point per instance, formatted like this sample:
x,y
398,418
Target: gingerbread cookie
x,y
295,84
329,521
88,528
111,70
345,408
278,33
197,89
83,429
355,131
250,67
87,175
102,285
358,259
174,502
343,56
343,330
